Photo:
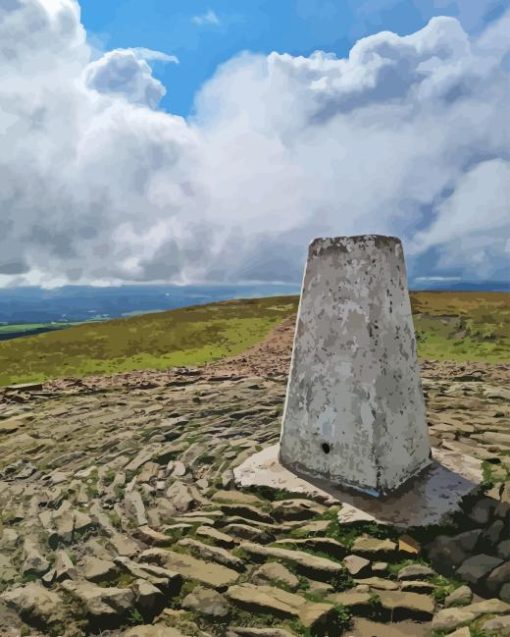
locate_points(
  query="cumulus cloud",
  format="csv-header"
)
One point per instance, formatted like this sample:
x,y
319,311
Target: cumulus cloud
x,y
126,73
209,17
473,223
407,135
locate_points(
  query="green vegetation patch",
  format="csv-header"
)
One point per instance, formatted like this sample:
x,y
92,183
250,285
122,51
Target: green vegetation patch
x,y
184,337
457,326
462,326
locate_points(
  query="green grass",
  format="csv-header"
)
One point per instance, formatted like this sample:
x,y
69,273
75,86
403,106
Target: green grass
x,y
187,336
183,337
462,326
458,326
23,327
20,328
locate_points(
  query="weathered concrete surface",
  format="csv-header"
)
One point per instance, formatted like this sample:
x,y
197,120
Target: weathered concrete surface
x,y
354,412
429,499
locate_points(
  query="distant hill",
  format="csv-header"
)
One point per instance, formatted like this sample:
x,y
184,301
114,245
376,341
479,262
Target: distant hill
x,y
186,336
449,326
72,303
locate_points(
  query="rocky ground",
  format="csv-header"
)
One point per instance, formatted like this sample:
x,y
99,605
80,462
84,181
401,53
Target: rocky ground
x,y
120,516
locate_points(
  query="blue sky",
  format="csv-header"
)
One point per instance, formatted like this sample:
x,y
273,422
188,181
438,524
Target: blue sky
x,y
205,34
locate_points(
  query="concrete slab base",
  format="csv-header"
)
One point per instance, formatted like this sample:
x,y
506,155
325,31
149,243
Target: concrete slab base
x,y
427,499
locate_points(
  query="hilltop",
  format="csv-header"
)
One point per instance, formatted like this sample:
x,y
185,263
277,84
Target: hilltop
x,y
120,515
449,325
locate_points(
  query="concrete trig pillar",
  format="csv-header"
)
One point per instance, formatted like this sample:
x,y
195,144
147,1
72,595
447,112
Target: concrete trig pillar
x,y
354,413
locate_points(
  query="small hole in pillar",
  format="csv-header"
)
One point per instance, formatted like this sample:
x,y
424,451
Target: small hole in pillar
x,y
325,447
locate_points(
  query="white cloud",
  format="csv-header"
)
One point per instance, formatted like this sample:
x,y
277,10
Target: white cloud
x,y
154,56
473,223
408,136
125,72
209,17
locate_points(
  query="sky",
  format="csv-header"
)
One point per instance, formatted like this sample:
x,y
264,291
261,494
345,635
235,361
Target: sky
x,y
204,35
189,141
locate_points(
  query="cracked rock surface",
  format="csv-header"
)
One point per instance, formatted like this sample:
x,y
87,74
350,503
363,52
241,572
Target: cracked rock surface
x,y
120,516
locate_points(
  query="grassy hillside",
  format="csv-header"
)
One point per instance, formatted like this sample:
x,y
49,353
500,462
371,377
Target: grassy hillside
x,y
462,325
449,325
187,336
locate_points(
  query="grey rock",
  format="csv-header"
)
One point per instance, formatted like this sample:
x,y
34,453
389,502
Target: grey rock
x,y
498,626
417,586
246,511
213,553
482,511
504,593
325,545
96,570
451,618
148,535
217,537
477,567
149,599
356,565
378,583
209,573
297,509
206,602
178,469
134,505
491,536
249,532
409,605
358,601
158,576
448,552
64,568
8,573
49,577
34,603
415,571
373,547
227,478
318,567
140,459
9,539
106,604
503,549
81,523
274,601
461,596
236,497
35,563
180,497
498,577
273,573
123,545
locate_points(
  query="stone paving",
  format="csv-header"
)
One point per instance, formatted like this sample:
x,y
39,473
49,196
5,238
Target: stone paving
x,y
120,516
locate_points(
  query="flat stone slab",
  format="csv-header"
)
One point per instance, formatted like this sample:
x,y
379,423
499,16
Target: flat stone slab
x,y
426,500
189,567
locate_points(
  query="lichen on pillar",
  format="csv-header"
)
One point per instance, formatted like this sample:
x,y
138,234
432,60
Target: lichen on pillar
x,y
354,412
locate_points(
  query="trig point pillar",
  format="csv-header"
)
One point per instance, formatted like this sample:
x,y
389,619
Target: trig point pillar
x,y
354,413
